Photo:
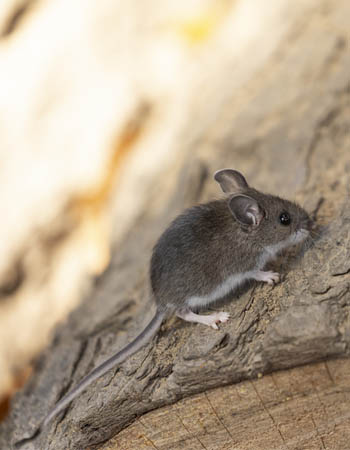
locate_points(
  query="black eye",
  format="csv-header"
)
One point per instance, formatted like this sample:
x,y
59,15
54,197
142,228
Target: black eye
x,y
285,218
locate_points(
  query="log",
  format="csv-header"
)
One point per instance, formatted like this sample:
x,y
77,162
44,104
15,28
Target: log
x,y
302,408
283,120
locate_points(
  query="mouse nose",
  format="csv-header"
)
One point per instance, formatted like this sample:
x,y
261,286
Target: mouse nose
x,y
307,223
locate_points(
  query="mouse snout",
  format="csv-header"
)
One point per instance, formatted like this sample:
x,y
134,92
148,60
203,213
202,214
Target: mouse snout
x,y
306,223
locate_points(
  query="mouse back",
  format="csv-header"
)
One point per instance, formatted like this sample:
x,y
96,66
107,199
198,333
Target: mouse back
x,y
192,254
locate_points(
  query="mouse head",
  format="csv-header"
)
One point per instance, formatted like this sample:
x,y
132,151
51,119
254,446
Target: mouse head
x,y
272,219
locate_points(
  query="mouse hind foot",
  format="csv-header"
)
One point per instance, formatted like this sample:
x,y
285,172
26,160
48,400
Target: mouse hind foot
x,y
211,319
269,277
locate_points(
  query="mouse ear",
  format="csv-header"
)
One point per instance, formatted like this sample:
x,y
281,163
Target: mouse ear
x,y
246,210
230,180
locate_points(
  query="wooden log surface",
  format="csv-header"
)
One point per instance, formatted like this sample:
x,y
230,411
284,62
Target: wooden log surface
x,y
287,130
305,408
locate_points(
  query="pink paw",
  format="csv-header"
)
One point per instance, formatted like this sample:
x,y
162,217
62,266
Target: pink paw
x,y
270,277
219,317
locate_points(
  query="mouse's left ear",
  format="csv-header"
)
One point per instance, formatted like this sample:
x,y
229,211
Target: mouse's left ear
x,y
230,180
246,210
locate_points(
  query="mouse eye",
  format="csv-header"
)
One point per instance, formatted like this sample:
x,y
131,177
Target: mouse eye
x,y
285,218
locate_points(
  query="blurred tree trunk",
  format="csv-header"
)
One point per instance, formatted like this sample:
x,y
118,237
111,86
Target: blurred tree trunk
x,y
113,127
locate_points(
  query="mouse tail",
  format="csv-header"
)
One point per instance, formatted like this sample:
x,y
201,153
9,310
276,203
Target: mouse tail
x,y
142,339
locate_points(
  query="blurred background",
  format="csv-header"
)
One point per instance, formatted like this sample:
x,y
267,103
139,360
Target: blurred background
x,y
113,117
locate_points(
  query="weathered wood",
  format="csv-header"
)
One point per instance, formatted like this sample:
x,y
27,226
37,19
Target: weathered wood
x,y
288,131
306,408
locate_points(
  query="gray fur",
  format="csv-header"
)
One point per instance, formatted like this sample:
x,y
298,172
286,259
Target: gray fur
x,y
205,245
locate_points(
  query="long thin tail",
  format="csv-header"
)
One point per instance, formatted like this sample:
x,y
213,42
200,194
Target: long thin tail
x,y
142,339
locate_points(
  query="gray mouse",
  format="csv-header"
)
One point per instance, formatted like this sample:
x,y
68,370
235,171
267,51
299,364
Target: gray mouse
x,y
207,252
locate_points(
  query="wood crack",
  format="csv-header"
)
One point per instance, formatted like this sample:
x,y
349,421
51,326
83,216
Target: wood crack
x,y
217,416
270,415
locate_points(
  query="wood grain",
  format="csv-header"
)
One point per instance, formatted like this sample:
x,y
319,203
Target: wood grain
x,y
302,408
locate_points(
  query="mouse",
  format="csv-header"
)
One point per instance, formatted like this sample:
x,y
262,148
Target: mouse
x,y
207,252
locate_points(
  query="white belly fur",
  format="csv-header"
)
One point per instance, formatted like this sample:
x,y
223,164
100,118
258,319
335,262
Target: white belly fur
x,y
228,285
233,281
